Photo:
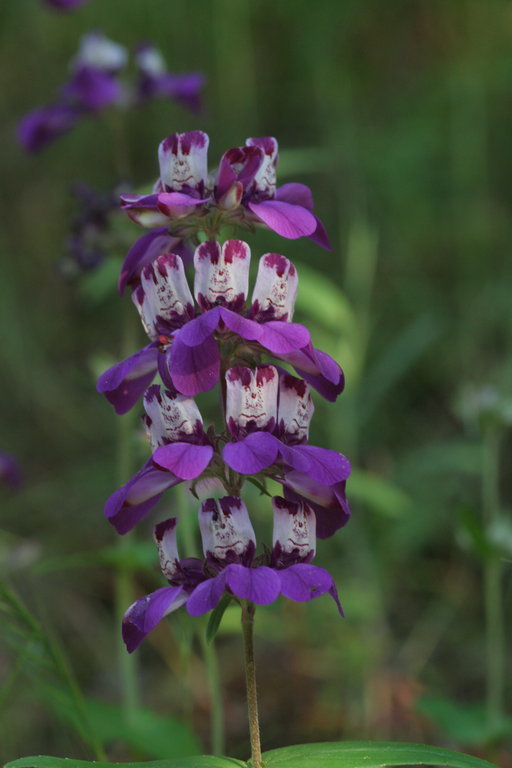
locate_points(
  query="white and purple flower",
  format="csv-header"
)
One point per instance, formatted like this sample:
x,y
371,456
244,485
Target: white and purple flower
x,y
155,81
186,350
229,546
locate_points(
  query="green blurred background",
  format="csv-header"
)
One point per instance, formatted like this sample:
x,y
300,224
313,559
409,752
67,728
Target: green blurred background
x,y
398,115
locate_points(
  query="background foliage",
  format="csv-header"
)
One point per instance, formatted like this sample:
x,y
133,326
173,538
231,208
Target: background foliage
x,y
398,115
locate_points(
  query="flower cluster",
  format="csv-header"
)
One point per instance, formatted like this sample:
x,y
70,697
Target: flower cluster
x,y
203,330
95,83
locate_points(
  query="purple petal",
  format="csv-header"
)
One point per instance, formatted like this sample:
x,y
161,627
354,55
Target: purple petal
x,y
293,457
303,582
259,585
318,369
93,88
193,369
134,500
43,125
246,161
249,330
283,338
296,194
198,330
184,88
177,204
144,251
328,502
183,459
206,596
143,210
10,471
124,383
291,221
252,454
323,465
143,615
320,236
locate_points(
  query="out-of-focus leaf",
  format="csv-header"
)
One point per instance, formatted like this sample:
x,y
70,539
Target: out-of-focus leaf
x,y
450,457
216,618
465,724
396,360
322,300
101,283
199,761
134,556
304,160
367,754
381,495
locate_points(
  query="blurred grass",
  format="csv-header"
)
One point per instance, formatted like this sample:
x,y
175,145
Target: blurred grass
x,y
398,116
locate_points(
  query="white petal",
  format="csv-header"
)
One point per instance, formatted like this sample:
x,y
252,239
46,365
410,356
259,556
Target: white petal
x,y
251,398
295,408
276,288
170,417
294,527
225,527
183,161
222,274
165,537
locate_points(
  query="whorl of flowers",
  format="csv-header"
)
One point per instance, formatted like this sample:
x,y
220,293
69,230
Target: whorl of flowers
x,y
204,331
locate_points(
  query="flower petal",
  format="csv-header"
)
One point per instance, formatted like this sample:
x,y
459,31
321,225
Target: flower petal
x,y
145,250
329,502
178,204
184,460
259,585
290,221
144,614
323,465
252,454
303,582
296,194
283,338
125,382
206,595
193,369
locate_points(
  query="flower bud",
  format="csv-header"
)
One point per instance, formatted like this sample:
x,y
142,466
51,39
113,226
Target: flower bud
x,y
294,536
163,298
183,161
226,531
274,294
251,399
222,274
165,537
265,178
171,418
295,409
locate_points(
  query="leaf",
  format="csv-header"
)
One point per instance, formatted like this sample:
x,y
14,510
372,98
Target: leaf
x,y
101,283
368,754
216,618
465,724
199,761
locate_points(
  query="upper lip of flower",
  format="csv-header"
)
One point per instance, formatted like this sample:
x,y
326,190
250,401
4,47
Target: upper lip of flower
x,y
231,545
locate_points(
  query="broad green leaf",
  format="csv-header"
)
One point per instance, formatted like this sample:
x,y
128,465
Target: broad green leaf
x,y
199,761
216,618
367,754
380,495
464,723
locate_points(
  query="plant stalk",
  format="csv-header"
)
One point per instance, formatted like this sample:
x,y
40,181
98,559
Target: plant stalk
x,y
248,610
495,647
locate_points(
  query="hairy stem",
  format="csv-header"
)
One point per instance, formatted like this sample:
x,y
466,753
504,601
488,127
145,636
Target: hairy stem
x,y
248,610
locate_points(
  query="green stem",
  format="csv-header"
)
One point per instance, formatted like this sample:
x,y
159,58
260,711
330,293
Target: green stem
x,y
124,589
495,647
248,610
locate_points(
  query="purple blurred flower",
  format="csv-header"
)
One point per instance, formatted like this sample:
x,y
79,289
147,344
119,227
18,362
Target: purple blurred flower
x,y
155,81
45,124
146,250
243,193
229,545
10,471
65,5
181,451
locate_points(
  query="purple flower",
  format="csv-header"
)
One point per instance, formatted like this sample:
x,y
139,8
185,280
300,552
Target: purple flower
x,y
148,248
45,124
255,419
155,81
65,5
185,348
229,546
10,471
244,192
247,178
329,502
181,451
94,82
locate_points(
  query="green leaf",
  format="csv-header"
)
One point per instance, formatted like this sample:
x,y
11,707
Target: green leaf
x,y
101,283
463,723
216,618
368,754
322,300
199,761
